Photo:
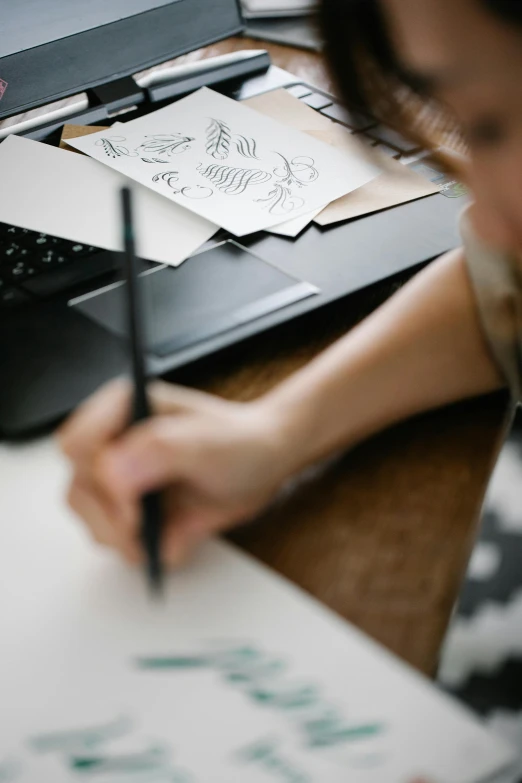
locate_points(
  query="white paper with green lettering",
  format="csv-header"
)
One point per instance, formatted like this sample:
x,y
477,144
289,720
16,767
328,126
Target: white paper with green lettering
x,y
237,677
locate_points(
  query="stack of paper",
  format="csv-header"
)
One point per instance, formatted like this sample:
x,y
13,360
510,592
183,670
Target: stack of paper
x,y
271,163
276,168
227,163
235,677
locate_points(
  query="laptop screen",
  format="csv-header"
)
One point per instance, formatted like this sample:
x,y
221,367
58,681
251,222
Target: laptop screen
x,y
52,20
50,49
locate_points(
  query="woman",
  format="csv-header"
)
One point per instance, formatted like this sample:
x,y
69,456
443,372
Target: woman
x,y
452,332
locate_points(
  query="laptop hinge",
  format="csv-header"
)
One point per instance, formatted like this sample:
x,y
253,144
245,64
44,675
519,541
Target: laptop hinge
x,y
118,96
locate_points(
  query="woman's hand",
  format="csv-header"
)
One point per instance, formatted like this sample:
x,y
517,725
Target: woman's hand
x,y
218,463
221,462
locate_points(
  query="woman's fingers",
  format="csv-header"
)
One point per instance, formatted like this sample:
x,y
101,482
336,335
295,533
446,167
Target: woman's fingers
x,y
101,418
107,414
180,538
101,520
84,503
189,522
186,524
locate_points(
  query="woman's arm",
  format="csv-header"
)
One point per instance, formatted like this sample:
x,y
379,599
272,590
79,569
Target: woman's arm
x,y
220,462
421,349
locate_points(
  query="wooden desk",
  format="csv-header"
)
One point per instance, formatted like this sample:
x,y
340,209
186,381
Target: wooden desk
x,y
383,535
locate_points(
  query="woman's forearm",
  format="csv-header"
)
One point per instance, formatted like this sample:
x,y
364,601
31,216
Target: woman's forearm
x,y
421,349
220,462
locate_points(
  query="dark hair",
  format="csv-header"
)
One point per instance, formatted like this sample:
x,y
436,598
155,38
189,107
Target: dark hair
x,y
369,74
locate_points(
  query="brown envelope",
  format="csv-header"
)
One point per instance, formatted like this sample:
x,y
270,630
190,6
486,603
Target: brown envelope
x,y
282,106
73,131
396,185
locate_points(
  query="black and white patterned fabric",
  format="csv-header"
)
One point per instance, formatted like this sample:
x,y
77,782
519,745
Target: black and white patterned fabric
x,y
481,660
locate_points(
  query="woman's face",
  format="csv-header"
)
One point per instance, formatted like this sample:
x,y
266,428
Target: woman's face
x,y
471,60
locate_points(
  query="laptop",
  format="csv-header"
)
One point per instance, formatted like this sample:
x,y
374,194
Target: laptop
x,y
59,336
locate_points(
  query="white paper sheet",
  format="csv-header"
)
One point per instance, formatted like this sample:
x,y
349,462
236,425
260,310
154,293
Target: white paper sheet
x,y
231,165
290,228
47,189
293,227
236,677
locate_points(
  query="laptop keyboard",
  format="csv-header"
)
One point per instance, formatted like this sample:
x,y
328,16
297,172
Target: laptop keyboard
x,y
35,266
385,139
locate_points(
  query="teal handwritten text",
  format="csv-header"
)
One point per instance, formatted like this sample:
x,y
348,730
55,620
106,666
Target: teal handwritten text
x,y
264,680
266,756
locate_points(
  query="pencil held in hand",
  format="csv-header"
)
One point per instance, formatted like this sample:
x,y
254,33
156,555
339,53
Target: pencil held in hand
x,y
151,522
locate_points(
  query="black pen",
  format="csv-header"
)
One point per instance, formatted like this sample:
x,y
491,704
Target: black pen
x,y
151,521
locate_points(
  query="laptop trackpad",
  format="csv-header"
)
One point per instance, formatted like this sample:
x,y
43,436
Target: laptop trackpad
x,y
210,293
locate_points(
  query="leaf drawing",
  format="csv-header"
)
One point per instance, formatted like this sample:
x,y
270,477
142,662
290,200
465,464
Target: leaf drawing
x,y
299,171
113,148
164,144
246,146
218,139
281,201
169,177
233,181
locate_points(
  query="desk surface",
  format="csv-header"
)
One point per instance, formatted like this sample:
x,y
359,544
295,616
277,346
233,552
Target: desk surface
x,y
383,534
